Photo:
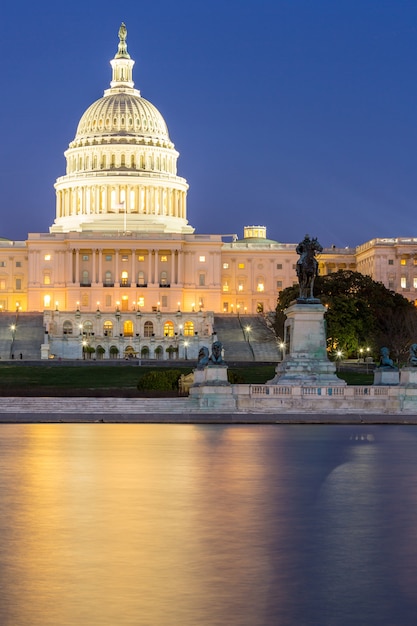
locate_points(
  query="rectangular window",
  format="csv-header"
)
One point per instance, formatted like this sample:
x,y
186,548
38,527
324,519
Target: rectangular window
x,y
279,266
279,284
109,257
2,263
141,257
125,257
2,284
141,301
226,286
46,279
403,282
240,286
415,282
47,257
108,300
46,301
260,287
202,259
18,263
390,261
225,307
403,262
202,280
84,299
18,283
164,258
225,266
86,257
241,266
164,301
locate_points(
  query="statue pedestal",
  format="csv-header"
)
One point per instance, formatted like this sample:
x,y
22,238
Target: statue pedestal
x,y
307,361
408,376
386,376
212,390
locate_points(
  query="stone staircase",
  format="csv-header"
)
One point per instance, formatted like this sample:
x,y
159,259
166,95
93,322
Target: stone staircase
x,y
27,338
240,344
96,406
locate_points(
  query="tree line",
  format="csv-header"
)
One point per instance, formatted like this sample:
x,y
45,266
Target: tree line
x,y
360,313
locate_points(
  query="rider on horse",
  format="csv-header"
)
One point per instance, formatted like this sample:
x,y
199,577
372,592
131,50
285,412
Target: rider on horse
x,y
307,266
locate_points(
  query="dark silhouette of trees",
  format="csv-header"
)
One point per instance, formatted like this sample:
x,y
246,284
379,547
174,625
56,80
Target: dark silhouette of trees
x,y
360,313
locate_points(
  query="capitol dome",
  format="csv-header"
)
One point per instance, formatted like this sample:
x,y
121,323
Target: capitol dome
x,y
121,166
122,114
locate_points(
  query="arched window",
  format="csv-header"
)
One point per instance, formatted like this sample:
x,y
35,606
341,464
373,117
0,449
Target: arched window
x,y
108,279
85,277
128,328
148,329
88,327
125,279
67,328
169,329
108,329
189,329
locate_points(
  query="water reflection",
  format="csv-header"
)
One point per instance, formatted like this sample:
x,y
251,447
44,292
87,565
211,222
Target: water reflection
x,y
146,524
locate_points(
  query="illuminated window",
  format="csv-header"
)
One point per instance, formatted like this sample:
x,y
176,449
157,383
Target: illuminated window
x,y
141,278
148,329
125,257
240,286
202,259
169,329
164,258
46,279
415,261
46,301
189,329
128,328
225,286
163,278
108,329
403,282
403,262
47,257
225,307
241,266
415,282
141,257
2,284
260,287
225,266
141,301
125,279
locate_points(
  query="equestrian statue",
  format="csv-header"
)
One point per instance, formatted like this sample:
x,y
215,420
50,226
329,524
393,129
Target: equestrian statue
x,y
307,266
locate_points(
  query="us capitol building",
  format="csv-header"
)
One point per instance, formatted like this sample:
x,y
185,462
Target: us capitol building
x,y
122,271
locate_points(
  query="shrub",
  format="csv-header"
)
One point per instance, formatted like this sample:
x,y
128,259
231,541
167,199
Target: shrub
x,y
159,380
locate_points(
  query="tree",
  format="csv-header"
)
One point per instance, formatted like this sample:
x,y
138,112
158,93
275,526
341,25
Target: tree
x,y
360,312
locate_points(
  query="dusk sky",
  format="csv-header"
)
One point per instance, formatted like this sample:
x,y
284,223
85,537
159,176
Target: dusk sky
x,y
299,115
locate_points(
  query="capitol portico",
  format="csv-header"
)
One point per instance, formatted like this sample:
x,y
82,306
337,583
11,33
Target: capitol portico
x,y
121,260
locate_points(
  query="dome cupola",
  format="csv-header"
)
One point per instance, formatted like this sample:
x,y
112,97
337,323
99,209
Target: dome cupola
x,y
121,166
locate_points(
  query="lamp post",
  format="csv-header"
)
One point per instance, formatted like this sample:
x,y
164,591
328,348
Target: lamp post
x,y
338,359
282,346
248,329
185,350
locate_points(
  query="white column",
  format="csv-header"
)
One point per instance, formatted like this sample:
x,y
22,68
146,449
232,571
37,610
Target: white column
x,y
149,279
94,276
156,266
133,273
179,268
116,267
100,265
77,266
172,279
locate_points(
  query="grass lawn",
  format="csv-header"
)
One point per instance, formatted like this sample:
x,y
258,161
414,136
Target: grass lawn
x,y
108,379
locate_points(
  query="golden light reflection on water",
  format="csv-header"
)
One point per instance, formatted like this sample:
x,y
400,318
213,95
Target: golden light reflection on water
x,y
127,524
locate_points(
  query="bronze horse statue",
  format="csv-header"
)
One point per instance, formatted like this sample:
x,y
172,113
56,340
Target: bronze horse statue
x,y
307,266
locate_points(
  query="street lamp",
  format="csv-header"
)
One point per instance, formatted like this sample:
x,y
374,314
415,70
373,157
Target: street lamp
x,y
248,329
185,350
339,358
282,346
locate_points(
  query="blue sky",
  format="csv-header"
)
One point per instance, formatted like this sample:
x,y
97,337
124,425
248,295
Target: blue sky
x,y
297,114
